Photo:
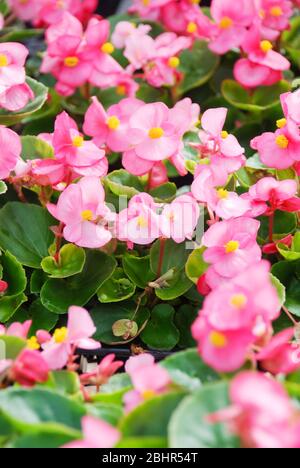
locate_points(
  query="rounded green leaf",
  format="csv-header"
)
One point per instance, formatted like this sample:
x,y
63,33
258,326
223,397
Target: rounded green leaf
x,y
14,274
25,232
184,318
42,318
117,288
122,183
152,417
174,256
263,97
71,262
175,287
197,65
138,270
11,346
105,316
58,295
165,193
195,265
161,332
189,428
35,148
40,95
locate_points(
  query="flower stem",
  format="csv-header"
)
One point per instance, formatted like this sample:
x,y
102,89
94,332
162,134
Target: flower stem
x,y
290,316
271,227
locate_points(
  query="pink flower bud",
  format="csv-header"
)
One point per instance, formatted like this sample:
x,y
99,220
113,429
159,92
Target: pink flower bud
x,y
3,286
43,336
29,368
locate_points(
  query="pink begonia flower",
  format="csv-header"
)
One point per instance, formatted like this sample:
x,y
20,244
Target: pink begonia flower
x,y
278,356
81,207
215,138
17,329
261,51
231,24
179,219
235,315
148,8
156,138
224,352
77,334
231,246
139,223
262,414
275,14
148,379
97,434
206,180
185,17
16,97
125,29
26,10
29,369
279,150
111,127
11,151
252,75
98,51
158,176
103,372
53,11
291,105
71,148
269,195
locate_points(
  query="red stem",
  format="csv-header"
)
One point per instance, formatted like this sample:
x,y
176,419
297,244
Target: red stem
x,y
271,227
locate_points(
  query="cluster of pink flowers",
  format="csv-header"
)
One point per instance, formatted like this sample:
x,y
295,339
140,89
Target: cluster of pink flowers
x,y
14,91
262,414
158,58
45,12
281,149
253,28
82,57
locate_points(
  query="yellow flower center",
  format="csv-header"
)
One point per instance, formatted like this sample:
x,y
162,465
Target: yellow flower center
x,y
107,48
239,301
87,215
262,14
232,246
195,2
281,123
218,340
224,134
226,23
192,27
113,122
142,222
60,335
222,194
282,141
71,62
276,11
78,141
266,46
174,62
121,90
146,2
147,394
33,343
156,132
3,60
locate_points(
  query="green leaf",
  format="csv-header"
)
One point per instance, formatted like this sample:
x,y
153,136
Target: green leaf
x,y
184,318
151,418
117,288
12,346
284,223
161,333
138,270
174,256
71,262
58,295
9,305
177,286
108,412
114,390
40,95
42,318
122,183
286,272
37,279
187,370
39,408
65,382
280,288
263,97
165,193
3,187
14,274
291,42
292,253
197,65
143,442
46,438
35,148
189,428
25,232
196,266
20,35
105,316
